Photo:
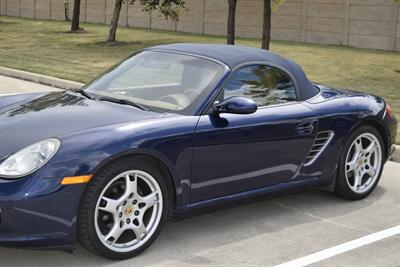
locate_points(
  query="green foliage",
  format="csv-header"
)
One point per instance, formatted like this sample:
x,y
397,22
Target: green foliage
x,y
169,8
276,3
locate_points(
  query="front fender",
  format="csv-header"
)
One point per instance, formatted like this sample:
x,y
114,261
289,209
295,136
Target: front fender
x,y
169,140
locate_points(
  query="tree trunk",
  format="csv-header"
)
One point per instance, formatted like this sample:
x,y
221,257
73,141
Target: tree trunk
x,y
75,16
114,21
266,25
231,21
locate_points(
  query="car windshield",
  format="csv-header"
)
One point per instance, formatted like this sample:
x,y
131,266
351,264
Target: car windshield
x,y
159,80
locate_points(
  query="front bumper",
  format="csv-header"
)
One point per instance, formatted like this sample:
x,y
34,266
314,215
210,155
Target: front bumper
x,y
38,212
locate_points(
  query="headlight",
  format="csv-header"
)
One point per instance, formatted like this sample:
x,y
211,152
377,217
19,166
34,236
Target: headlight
x,y
29,159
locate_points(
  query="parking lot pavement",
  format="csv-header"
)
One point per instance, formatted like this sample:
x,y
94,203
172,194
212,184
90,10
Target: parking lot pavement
x,y
265,233
10,85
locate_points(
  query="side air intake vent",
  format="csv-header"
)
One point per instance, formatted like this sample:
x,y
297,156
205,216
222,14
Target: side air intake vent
x,y
320,143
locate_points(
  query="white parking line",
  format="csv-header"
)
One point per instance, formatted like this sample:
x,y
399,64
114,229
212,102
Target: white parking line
x,y
342,248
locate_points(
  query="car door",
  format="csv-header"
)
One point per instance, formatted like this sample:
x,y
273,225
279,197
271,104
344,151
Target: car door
x,y
236,153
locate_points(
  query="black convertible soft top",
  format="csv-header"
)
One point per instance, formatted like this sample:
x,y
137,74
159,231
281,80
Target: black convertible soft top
x,y
234,55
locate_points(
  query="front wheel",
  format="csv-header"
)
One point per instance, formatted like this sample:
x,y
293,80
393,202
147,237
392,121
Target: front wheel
x,y
123,209
361,164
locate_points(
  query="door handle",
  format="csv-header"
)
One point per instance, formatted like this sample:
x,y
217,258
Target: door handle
x,y
305,128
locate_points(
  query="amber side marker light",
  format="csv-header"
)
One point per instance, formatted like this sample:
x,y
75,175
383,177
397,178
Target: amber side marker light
x,y
76,180
389,111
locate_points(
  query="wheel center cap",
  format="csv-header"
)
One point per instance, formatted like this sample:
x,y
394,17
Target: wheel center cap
x,y
128,211
360,163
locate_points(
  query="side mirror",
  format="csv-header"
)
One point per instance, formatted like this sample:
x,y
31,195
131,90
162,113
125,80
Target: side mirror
x,y
236,105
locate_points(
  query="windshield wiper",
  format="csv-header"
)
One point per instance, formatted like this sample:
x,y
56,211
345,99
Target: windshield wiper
x,y
84,93
124,102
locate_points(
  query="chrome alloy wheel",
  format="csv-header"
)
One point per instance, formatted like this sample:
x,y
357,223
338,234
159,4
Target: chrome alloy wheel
x,y
363,163
128,211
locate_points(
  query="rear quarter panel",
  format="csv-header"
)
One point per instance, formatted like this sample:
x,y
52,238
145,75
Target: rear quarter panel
x,y
342,111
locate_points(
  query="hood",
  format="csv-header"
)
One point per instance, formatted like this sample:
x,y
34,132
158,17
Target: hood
x,y
29,118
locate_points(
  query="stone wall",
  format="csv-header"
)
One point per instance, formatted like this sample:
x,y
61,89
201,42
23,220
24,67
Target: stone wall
x,y
359,23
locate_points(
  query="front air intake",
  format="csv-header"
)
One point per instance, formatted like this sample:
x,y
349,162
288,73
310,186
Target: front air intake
x,y
320,143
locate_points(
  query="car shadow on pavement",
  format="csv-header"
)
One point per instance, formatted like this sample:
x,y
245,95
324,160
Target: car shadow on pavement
x,y
180,241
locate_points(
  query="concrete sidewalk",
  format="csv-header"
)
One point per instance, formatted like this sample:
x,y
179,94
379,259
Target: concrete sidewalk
x,y
11,85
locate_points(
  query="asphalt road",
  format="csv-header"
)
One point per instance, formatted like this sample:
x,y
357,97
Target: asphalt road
x,y
265,233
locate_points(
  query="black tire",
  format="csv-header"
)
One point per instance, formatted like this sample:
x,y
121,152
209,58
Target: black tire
x,y
342,188
87,235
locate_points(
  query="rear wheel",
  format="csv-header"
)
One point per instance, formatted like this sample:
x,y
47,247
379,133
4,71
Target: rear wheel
x,y
361,164
123,209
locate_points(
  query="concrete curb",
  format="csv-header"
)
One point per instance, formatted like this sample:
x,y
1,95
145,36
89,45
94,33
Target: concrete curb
x,y
396,154
42,79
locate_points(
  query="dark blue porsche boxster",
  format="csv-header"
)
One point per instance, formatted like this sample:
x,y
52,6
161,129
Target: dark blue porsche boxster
x,y
172,129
